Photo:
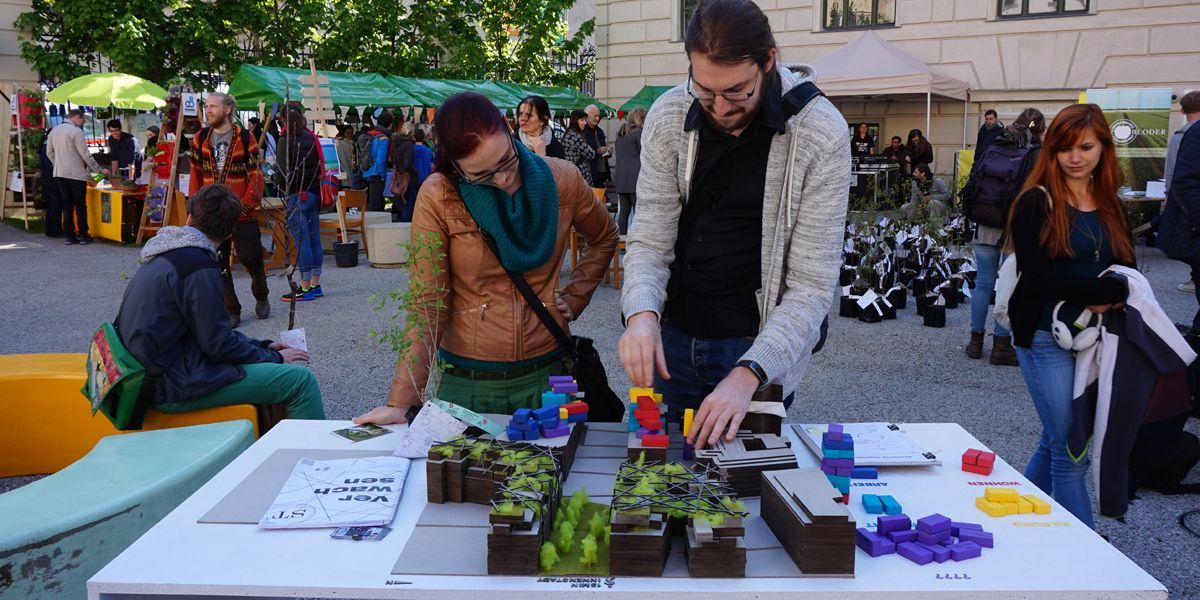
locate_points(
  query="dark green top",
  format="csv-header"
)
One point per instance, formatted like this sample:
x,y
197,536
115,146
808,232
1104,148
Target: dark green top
x,y
1093,254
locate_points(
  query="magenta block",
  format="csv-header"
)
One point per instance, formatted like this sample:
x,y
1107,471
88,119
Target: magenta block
x,y
956,527
889,523
903,536
965,550
934,523
941,553
872,543
915,552
932,538
982,538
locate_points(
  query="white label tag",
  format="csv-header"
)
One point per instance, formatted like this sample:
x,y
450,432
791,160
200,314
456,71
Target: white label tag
x,y
431,425
294,338
867,298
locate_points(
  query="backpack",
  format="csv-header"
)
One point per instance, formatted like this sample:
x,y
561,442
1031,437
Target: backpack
x,y
362,147
994,184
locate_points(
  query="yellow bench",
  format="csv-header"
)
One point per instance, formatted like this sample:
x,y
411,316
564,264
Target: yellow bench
x,y
47,424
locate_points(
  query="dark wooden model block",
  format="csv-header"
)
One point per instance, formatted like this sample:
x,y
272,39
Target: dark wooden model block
x,y
807,515
741,461
716,551
639,548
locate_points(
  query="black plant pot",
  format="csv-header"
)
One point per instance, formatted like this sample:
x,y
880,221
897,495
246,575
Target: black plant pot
x,y
852,259
924,301
950,296
870,315
345,254
849,307
846,277
919,287
935,316
899,298
889,311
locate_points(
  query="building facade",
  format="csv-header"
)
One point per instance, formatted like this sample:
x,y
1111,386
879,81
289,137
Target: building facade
x,y
1012,53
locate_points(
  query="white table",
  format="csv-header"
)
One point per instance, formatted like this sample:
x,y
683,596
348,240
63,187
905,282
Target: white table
x,y
1036,556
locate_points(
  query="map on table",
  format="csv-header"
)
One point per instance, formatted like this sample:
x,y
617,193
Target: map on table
x,y
875,444
350,492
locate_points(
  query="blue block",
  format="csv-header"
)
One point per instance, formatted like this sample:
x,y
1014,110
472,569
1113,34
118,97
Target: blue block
x,y
580,417
530,425
935,523
965,550
956,527
873,544
890,506
842,444
872,504
631,424
846,454
551,399
522,415
550,423
515,435
864,473
838,480
982,538
546,413
828,453
641,432
560,431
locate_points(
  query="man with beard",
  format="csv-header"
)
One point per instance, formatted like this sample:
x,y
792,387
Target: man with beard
x,y
733,258
226,153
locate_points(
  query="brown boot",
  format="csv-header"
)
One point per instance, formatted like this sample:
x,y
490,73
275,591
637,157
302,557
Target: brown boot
x,y
975,346
1003,353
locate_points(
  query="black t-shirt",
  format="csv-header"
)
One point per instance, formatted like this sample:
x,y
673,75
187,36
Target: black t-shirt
x,y
717,267
861,146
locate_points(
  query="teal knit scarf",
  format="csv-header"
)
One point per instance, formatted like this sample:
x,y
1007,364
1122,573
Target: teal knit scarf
x,y
524,225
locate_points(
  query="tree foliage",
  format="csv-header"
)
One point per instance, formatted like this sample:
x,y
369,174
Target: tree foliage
x,y
524,41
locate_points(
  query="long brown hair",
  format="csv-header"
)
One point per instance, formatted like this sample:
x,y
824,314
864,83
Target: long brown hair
x,y
1067,128
730,32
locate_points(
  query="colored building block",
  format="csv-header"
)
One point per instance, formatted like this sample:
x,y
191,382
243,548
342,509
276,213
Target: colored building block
x,y
550,399
635,393
655,440
828,470
983,538
842,444
839,463
835,428
1024,507
828,453
546,413
890,506
933,538
889,523
847,454
872,543
560,431
971,457
1001,494
986,459
843,472
1010,508
641,432
846,498
977,469
562,413
934,523
565,388
864,473
551,423
689,453
631,424
903,536
576,407
1040,506
521,415
839,481
941,553
993,509
646,403
956,527
529,425
872,504
553,379
914,552
688,415
965,550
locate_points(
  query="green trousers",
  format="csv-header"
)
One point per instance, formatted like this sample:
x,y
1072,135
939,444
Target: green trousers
x,y
265,383
498,396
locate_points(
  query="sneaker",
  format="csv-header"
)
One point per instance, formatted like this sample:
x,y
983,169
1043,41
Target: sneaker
x,y
316,290
71,241
85,240
302,295
262,308
1187,286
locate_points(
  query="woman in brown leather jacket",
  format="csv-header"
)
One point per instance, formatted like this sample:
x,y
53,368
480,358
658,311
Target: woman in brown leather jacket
x,y
493,352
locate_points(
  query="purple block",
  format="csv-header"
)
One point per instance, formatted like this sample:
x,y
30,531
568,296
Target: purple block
x,y
889,523
561,379
903,536
915,552
933,538
934,523
873,544
941,553
560,431
642,431
982,538
842,472
834,428
956,527
843,444
965,550
566,388
864,473
828,470
689,453
839,463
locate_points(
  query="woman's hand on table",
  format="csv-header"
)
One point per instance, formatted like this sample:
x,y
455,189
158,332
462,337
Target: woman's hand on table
x,y
382,415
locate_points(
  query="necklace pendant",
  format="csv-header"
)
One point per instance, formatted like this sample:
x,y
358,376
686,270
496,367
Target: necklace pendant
x,y
1096,256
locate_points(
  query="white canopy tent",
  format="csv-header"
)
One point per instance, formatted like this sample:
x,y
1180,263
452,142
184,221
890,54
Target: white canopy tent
x,y
871,67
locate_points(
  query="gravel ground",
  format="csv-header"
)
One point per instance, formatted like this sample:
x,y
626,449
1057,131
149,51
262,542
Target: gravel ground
x,y
894,371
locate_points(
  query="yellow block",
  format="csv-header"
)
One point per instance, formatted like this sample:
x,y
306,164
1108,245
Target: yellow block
x,y
1024,506
562,413
658,398
46,423
1040,506
999,494
635,392
688,415
1010,508
992,508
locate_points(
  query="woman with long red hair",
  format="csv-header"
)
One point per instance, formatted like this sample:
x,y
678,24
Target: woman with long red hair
x,y
1066,228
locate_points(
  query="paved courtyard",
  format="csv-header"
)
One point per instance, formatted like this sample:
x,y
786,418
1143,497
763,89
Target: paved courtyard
x,y
897,371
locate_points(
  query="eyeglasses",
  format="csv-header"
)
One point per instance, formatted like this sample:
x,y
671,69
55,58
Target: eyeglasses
x,y
486,179
728,96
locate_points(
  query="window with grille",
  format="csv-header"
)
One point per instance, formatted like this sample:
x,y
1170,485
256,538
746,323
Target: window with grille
x,y
852,14
1037,8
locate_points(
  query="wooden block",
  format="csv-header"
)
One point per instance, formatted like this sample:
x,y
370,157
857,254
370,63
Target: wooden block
x,y
702,530
991,508
1024,506
1040,506
970,457
1001,494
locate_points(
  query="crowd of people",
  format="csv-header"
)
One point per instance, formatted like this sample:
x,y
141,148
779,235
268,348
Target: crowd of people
x,y
733,252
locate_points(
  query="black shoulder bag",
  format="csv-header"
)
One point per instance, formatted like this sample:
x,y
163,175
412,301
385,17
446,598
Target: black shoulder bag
x,y
604,406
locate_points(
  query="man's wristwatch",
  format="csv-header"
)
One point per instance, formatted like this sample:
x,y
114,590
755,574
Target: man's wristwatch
x,y
755,368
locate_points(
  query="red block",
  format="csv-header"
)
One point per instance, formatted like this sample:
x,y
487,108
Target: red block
x,y
846,499
574,408
647,413
646,402
651,424
986,459
971,457
978,470
655,440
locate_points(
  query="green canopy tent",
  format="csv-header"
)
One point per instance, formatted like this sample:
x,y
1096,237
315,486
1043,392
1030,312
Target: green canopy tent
x,y
253,84
561,100
645,97
432,92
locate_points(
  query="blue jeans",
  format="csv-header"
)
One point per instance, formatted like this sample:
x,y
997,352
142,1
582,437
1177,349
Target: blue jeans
x,y
987,265
696,366
305,227
1049,373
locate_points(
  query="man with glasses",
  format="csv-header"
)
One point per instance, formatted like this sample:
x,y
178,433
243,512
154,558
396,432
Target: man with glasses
x,y
734,252
122,151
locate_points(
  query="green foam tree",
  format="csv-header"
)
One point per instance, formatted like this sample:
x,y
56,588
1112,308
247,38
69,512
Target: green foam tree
x,y
588,548
566,537
548,557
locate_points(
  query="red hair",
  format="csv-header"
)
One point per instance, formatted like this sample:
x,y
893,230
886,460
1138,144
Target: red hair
x,y
1067,128
462,122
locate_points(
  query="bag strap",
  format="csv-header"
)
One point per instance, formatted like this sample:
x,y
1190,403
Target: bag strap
x,y
531,298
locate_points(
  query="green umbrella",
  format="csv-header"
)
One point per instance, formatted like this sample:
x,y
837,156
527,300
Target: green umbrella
x,y
110,89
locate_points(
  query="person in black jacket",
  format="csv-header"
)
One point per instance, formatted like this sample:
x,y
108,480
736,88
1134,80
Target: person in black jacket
x,y
534,130
919,150
1183,201
173,316
298,179
1063,240
50,194
991,129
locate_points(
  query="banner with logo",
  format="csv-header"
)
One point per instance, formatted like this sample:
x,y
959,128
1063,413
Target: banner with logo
x,y
1140,123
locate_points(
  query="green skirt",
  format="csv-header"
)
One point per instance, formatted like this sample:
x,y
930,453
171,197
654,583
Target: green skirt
x,y
501,396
